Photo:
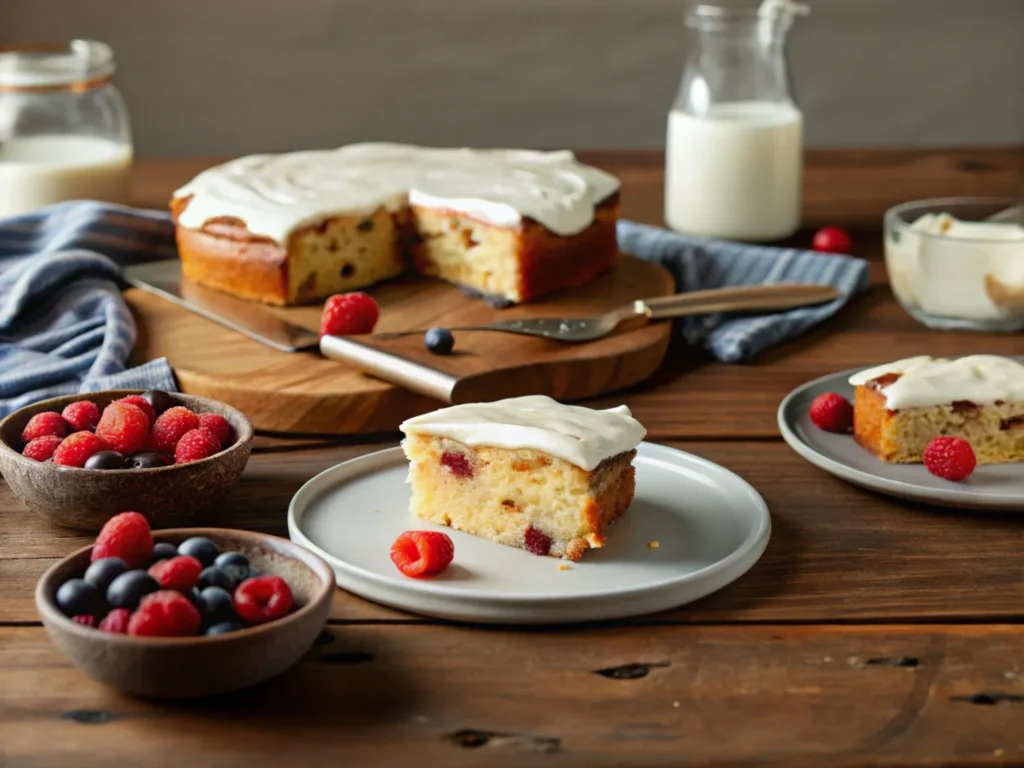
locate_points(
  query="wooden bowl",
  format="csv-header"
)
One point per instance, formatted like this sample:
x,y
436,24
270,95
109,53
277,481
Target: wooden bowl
x,y
189,667
86,498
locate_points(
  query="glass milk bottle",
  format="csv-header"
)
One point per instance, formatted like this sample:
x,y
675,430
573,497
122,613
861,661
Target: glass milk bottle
x,y
734,150
64,130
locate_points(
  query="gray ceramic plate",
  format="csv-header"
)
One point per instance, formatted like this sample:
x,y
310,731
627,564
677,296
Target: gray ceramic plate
x,y
710,525
991,486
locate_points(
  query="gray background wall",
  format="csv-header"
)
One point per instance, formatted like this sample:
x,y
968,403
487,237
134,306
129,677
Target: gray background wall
x,y
222,77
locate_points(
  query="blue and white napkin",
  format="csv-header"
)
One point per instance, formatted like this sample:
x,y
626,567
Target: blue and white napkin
x,y
699,264
64,327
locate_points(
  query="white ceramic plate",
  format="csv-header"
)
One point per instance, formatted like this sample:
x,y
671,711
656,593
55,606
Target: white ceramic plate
x,y
990,486
710,525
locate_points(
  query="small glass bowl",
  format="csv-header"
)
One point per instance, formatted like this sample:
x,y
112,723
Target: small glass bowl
x,y
972,283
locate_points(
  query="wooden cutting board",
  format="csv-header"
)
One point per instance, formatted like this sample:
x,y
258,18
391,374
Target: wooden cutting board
x,y
304,392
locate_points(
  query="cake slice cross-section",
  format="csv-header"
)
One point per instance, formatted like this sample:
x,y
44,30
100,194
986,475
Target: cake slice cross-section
x,y
528,472
900,407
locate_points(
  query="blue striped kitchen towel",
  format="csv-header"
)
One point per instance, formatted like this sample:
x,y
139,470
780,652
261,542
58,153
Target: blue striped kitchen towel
x,y
698,264
64,327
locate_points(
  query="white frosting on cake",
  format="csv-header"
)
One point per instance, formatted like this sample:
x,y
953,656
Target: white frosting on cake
x,y
925,382
277,194
581,436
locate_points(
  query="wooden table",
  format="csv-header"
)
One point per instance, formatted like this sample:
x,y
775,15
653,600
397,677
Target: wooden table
x,y
873,631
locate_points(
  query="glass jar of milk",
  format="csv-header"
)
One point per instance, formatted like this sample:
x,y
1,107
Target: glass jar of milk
x,y
64,131
734,150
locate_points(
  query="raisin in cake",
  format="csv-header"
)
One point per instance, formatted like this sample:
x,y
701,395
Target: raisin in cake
x,y
297,227
900,407
528,472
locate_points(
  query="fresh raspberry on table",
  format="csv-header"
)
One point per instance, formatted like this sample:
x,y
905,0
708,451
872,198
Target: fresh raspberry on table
x,y
179,573
349,314
41,448
85,619
116,621
75,449
832,240
217,424
142,404
165,614
126,536
422,553
124,426
832,412
170,426
43,424
82,415
950,458
194,445
263,599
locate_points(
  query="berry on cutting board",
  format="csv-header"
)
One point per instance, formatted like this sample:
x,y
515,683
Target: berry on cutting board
x,y
950,458
832,412
82,415
439,341
832,240
349,314
43,424
124,427
76,449
263,599
126,536
165,614
422,553
42,448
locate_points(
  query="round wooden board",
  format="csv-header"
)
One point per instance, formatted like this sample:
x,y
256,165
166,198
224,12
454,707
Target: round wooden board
x,y
306,393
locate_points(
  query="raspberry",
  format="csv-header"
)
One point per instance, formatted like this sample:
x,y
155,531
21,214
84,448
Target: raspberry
x,y
535,542
126,536
82,415
422,553
950,458
832,412
87,620
217,424
124,427
179,573
457,463
170,426
142,404
194,445
165,614
42,448
42,424
832,240
349,314
116,621
263,599
76,448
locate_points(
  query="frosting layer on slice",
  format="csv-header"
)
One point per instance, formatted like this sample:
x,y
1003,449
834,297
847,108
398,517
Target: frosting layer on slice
x,y
925,382
581,436
277,194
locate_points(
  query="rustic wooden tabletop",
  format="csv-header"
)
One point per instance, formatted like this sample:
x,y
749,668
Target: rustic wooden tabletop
x,y
873,631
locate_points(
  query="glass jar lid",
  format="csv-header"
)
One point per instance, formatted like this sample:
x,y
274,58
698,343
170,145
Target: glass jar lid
x,y
78,65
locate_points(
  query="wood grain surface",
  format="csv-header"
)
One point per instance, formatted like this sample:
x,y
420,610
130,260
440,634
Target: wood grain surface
x,y
872,632
308,393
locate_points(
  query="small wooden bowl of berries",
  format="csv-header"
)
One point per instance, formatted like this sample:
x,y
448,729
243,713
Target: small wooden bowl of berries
x,y
79,460
184,612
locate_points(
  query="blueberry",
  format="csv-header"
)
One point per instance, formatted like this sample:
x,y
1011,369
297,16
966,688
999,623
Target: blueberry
x,y
104,571
202,549
129,588
439,341
223,627
147,461
160,400
78,596
235,563
217,577
105,460
216,606
163,550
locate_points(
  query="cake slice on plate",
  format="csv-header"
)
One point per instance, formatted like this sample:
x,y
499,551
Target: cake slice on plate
x,y
528,472
900,407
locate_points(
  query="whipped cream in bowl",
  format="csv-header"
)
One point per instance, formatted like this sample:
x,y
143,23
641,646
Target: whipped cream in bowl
x,y
957,264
